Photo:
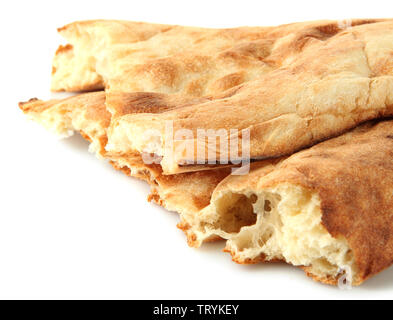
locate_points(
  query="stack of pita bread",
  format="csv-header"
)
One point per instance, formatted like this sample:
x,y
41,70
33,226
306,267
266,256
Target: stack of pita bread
x,y
315,98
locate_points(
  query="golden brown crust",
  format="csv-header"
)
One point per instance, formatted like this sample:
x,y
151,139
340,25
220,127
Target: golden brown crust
x,y
327,81
62,49
215,60
89,100
361,210
146,57
84,113
353,177
326,280
185,193
34,105
198,186
120,103
94,110
73,69
125,104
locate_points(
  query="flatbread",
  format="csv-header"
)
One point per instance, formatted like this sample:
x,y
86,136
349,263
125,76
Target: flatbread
x,y
130,56
336,80
290,86
186,193
124,56
74,64
327,209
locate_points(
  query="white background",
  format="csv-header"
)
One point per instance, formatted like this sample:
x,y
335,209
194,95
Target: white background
x,y
71,226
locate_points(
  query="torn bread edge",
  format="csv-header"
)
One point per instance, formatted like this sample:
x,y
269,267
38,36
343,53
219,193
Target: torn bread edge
x,y
255,213
326,209
184,193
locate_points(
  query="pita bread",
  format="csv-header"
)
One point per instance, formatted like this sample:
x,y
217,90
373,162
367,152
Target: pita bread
x,y
131,56
186,193
336,80
74,64
323,194
326,209
292,86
